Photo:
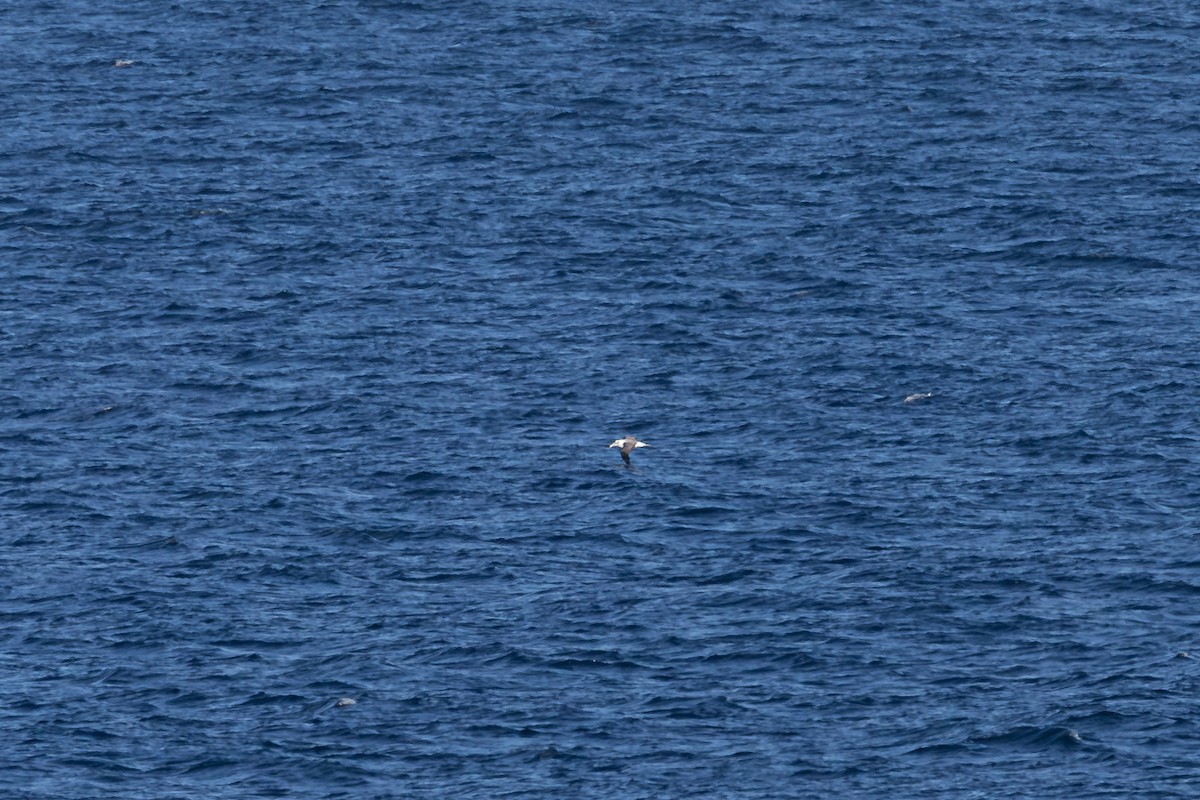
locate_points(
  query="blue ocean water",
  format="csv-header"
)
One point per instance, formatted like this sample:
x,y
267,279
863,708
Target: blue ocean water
x,y
317,319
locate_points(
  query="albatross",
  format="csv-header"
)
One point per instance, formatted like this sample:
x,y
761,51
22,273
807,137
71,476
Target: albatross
x,y
627,446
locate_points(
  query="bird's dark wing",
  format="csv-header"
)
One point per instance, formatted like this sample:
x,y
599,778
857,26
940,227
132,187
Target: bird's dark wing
x,y
625,455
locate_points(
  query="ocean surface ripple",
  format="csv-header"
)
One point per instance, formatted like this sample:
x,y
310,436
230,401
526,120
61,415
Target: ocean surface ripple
x,y
318,318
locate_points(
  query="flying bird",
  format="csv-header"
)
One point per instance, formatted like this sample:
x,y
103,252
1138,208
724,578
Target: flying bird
x,y
916,398
627,446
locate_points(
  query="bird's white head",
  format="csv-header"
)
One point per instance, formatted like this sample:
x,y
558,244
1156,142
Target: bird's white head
x,y
617,443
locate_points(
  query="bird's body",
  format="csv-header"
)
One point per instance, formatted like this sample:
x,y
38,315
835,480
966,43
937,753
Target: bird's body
x,y
627,445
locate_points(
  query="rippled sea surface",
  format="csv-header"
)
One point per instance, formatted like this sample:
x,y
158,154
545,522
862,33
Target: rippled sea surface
x,y
317,319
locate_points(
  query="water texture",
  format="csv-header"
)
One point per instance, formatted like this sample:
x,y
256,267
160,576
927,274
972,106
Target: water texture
x,y
317,318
